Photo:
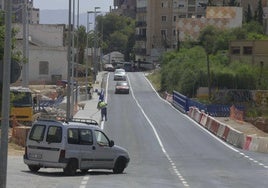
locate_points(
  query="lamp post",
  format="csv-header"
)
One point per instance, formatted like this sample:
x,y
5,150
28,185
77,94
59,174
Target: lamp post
x,y
87,54
95,68
68,107
25,67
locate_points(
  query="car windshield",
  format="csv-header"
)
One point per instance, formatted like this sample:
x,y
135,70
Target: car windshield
x,y
119,71
122,84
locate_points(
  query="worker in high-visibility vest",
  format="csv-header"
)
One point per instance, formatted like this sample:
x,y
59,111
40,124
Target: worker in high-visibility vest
x,y
103,107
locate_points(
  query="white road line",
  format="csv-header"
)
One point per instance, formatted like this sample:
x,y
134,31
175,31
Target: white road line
x,y
84,182
175,169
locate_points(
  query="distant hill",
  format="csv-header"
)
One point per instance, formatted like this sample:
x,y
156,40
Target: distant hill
x,y
60,17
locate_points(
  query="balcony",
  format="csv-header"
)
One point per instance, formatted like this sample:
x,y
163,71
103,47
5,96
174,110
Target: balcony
x,y
140,51
140,24
140,37
141,10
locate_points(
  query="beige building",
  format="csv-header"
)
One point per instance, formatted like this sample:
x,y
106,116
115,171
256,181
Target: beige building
x,y
47,52
254,52
221,17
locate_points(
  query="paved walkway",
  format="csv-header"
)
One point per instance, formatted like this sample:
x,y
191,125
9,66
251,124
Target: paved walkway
x,y
90,110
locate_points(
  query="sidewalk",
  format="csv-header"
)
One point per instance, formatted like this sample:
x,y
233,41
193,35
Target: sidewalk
x,y
90,110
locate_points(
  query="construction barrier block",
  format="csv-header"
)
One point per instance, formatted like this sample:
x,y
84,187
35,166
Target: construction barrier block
x,y
214,126
263,145
235,138
247,143
204,118
221,130
197,116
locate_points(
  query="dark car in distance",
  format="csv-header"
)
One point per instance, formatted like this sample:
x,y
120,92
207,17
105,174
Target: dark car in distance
x,y
121,87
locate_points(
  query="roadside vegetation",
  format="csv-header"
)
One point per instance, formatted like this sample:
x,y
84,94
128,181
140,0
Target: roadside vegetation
x,y
206,64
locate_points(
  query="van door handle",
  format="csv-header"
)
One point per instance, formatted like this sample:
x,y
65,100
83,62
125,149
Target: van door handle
x,y
93,147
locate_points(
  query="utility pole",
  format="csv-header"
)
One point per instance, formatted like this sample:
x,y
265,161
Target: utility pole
x,y
5,95
25,67
68,107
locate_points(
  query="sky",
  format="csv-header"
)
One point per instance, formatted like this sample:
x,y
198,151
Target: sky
x,y
84,5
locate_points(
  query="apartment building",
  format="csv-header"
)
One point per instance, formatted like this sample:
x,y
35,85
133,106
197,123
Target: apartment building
x,y
19,7
156,24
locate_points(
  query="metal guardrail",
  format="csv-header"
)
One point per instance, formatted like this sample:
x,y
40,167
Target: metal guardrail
x,y
183,103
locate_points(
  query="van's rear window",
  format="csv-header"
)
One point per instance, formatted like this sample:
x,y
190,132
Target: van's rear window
x,y
37,132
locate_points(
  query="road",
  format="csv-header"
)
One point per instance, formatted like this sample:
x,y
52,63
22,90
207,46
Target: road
x,y
167,149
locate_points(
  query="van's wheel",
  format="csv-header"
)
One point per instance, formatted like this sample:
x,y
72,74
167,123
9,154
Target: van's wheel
x,y
71,168
33,168
119,166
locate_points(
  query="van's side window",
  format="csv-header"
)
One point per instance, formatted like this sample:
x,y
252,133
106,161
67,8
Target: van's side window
x,y
37,133
86,137
102,139
54,134
73,136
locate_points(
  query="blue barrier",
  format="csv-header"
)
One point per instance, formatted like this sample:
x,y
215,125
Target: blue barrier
x,y
183,103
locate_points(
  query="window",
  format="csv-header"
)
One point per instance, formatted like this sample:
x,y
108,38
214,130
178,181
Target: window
x,y
86,137
235,50
174,18
37,133
102,139
54,134
164,18
43,67
80,136
73,136
163,33
164,4
247,50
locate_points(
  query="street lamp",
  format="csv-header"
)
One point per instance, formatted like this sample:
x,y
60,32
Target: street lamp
x,y
95,68
87,55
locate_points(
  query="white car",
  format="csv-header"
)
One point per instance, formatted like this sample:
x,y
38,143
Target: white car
x,y
120,74
78,144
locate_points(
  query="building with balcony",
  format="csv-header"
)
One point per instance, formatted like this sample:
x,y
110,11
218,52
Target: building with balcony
x,y
125,8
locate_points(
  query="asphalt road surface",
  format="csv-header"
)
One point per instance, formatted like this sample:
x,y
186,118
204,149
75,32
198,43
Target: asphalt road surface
x,y
166,148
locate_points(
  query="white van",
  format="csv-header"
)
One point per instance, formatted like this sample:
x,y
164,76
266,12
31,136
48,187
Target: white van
x,y
77,144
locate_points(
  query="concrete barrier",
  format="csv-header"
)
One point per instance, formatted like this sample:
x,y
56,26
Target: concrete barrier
x,y
221,130
197,115
235,138
263,145
214,126
204,118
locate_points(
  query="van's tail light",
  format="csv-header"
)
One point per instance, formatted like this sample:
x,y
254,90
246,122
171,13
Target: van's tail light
x,y
62,155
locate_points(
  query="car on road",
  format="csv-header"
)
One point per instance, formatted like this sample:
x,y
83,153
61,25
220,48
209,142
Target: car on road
x,y
120,74
109,67
76,144
122,87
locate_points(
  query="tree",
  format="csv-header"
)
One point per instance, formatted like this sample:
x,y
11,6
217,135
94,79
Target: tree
x,y
260,13
248,14
233,3
117,33
207,39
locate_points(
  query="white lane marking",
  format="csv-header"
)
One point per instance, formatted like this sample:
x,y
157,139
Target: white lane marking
x,y
84,182
174,167
208,132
